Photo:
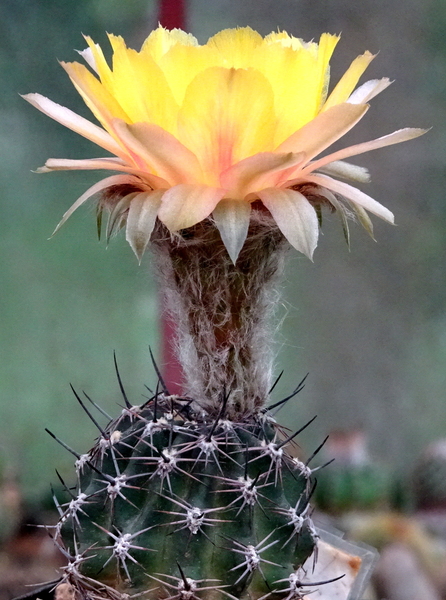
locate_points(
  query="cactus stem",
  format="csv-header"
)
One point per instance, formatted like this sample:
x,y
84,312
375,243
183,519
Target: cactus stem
x,y
195,517
222,310
252,557
275,453
186,587
122,546
75,506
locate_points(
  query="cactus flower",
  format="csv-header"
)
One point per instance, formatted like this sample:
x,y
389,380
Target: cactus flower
x,y
206,131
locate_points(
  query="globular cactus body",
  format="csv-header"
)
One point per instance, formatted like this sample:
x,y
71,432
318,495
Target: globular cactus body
x,y
175,502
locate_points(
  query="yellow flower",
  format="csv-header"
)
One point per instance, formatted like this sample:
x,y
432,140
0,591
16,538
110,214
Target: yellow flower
x,y
204,131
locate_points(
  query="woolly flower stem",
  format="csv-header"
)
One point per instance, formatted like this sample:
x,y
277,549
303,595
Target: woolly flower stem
x,y
223,311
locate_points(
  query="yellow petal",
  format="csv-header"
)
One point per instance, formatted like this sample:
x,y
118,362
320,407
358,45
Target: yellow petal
x,y
227,115
298,78
185,205
182,63
295,217
159,151
101,103
161,40
236,46
284,39
327,44
348,81
324,130
140,87
232,220
291,75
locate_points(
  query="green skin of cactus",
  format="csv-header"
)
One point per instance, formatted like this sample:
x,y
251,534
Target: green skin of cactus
x,y
352,487
175,505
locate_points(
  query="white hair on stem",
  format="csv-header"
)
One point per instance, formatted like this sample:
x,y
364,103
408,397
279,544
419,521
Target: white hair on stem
x,y
223,312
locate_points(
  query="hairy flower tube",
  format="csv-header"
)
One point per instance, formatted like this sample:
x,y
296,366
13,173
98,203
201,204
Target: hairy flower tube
x,y
207,131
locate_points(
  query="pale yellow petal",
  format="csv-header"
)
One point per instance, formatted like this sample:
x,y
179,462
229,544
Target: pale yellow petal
x,y
89,58
295,217
73,121
185,205
159,151
84,164
354,195
232,220
141,220
369,90
348,81
345,170
401,135
110,164
227,115
95,189
314,137
100,64
257,171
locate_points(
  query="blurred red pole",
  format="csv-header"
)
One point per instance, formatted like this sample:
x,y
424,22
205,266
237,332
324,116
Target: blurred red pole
x,y
171,15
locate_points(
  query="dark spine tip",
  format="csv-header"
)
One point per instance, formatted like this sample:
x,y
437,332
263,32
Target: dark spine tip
x,y
121,387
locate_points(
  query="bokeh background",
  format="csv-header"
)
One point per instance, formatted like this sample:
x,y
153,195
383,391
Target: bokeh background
x,y
369,325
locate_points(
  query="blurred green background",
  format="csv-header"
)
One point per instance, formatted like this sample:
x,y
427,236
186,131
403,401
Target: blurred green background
x,y
369,325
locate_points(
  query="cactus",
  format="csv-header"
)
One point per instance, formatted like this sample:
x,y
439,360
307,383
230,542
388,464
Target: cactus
x,y
185,503
429,477
356,481
196,496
